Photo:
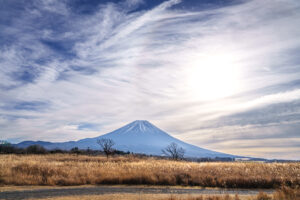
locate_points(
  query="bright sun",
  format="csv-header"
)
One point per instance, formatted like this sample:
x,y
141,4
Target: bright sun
x,y
212,77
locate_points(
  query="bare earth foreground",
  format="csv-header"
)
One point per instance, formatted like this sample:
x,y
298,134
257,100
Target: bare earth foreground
x,y
124,190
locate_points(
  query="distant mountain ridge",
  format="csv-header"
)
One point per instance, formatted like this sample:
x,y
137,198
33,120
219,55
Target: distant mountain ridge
x,y
139,136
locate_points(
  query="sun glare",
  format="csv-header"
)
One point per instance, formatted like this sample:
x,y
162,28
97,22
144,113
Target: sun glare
x,y
212,77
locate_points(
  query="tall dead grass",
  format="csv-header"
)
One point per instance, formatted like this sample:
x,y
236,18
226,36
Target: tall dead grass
x,y
66,169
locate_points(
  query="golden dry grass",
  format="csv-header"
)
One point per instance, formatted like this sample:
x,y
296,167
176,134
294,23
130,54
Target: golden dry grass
x,y
66,169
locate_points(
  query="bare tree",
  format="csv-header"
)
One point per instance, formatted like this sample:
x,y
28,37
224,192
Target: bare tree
x,y
174,151
107,146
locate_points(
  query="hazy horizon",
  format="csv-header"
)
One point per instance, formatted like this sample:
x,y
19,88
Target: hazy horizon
x,y
222,75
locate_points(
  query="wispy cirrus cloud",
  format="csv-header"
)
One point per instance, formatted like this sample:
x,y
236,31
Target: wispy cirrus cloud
x,y
209,73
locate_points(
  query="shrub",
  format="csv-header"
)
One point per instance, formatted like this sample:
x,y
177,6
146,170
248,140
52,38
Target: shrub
x,y
36,149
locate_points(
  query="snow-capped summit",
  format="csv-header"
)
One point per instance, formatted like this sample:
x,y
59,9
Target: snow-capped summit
x,y
138,127
139,136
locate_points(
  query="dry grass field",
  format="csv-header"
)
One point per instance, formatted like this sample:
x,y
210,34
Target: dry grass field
x,y
66,169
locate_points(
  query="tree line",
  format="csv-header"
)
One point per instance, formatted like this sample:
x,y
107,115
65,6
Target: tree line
x,y
38,149
106,147
173,150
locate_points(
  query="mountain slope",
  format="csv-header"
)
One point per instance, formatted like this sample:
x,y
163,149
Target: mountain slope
x,y
139,136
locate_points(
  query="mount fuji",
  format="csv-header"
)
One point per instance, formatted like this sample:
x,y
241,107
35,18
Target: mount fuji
x,y
139,136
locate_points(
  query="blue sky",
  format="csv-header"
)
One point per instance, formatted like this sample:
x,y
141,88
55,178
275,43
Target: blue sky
x,y
220,74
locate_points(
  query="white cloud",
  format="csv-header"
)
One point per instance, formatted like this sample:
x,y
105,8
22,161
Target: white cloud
x,y
174,67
